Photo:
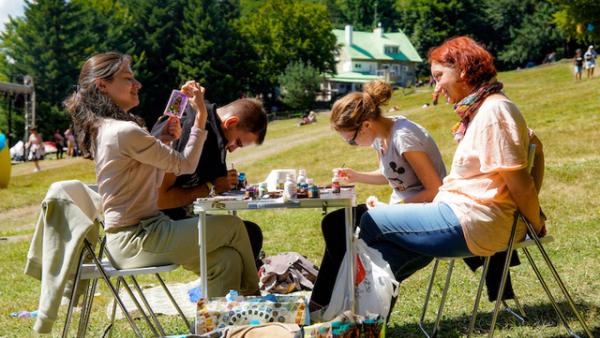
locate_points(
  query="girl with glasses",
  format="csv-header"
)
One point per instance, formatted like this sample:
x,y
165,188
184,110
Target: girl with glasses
x,y
409,161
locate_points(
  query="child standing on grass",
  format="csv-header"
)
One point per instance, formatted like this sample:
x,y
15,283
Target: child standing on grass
x,y
578,64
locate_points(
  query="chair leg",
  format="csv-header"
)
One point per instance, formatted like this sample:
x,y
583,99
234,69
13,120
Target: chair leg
x,y
72,298
170,296
114,292
86,308
108,330
521,316
440,310
553,301
558,280
438,317
138,306
509,253
484,270
427,296
147,305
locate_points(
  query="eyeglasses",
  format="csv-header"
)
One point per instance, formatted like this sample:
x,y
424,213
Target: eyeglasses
x,y
352,141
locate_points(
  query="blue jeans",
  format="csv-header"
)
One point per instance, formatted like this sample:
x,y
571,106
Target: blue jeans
x,y
410,235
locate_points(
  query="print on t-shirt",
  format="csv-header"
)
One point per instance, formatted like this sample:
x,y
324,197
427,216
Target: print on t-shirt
x,y
398,170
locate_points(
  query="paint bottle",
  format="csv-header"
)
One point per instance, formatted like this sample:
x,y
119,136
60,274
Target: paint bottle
x,y
241,181
262,190
301,176
335,184
289,187
313,189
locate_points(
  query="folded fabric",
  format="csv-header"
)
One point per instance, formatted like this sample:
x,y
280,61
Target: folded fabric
x,y
287,272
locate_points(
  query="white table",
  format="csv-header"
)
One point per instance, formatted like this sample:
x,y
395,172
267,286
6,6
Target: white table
x,y
346,199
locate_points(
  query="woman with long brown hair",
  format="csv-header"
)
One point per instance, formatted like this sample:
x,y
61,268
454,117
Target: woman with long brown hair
x,y
130,165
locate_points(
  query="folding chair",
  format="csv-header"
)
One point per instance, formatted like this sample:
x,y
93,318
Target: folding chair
x,y
532,240
102,268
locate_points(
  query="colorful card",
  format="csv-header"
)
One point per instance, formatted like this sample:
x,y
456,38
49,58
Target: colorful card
x,y
176,104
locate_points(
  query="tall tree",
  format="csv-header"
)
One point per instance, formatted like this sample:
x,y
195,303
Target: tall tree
x,y
532,38
153,28
299,85
47,44
579,19
367,14
513,39
212,51
282,31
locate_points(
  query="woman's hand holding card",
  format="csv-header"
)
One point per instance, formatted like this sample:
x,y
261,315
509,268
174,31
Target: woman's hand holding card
x,y
196,92
171,130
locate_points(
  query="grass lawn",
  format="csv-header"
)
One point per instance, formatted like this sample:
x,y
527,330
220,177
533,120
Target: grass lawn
x,y
564,114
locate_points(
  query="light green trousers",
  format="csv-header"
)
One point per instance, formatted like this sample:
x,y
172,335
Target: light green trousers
x,y
159,241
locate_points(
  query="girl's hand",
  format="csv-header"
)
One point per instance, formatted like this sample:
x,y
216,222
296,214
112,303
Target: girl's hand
x,y
196,92
373,202
171,131
347,175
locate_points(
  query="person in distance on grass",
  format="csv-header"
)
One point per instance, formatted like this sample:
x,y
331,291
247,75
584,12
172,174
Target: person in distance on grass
x,y
409,161
590,61
238,124
578,64
130,165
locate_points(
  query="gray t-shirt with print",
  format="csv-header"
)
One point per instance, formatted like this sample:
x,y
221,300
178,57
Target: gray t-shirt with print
x,y
406,136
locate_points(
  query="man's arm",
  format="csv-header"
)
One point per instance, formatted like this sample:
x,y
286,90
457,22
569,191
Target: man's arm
x,y
170,196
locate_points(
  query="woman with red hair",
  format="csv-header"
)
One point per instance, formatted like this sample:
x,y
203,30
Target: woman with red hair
x,y
472,212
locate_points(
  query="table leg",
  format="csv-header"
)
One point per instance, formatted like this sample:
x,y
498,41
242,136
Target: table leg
x,y
350,255
202,248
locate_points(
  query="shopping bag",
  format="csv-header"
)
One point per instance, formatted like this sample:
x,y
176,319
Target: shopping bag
x,y
375,284
217,313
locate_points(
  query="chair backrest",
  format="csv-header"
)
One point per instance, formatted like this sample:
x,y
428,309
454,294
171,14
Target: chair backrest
x,y
531,156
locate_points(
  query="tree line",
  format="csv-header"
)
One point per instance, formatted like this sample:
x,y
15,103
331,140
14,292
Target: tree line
x,y
243,47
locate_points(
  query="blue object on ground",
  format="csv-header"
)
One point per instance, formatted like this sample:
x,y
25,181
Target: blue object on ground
x,y
195,294
24,314
232,295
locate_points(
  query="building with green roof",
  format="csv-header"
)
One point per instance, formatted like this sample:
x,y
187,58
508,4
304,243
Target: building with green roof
x,y
368,56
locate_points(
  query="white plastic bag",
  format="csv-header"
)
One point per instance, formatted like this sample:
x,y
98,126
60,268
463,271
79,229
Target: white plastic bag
x,y
375,284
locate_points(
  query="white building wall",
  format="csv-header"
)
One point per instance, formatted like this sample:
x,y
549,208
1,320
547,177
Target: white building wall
x,y
364,67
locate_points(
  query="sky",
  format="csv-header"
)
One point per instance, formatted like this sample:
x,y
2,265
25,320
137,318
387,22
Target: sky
x,y
13,8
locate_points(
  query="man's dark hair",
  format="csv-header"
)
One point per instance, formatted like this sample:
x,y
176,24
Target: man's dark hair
x,y
252,117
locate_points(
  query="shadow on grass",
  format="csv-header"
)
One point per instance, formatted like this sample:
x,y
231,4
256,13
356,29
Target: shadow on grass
x,y
540,315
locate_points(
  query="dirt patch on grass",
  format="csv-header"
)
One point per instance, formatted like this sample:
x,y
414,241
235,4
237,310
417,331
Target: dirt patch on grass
x,y
19,219
14,239
27,167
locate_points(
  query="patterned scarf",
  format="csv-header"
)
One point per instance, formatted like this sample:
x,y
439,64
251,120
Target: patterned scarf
x,y
467,107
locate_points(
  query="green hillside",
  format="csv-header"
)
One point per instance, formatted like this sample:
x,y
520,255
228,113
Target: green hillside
x,y
564,114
